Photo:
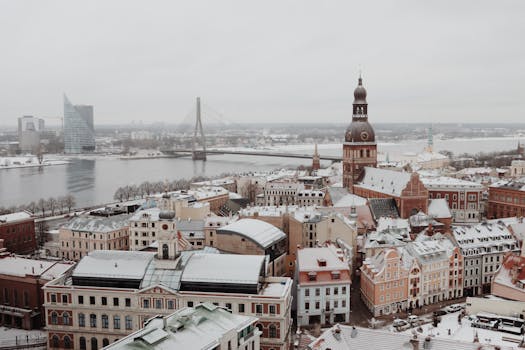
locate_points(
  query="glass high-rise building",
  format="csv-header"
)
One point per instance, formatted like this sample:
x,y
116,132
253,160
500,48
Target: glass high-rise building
x,y
79,131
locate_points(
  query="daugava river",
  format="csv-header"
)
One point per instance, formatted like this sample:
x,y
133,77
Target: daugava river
x,y
94,181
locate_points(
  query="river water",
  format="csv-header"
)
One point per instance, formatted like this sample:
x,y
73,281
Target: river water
x,y
94,181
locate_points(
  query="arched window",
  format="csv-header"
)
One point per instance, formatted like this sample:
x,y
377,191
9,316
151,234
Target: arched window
x,y
81,320
65,318
273,331
165,251
82,343
67,342
259,327
93,320
105,322
55,342
54,318
94,343
105,342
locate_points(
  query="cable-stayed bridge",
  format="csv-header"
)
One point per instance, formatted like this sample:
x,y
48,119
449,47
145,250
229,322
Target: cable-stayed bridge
x,y
199,151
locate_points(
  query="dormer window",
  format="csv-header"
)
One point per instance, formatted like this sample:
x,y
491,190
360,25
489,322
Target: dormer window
x,y
321,262
336,275
312,276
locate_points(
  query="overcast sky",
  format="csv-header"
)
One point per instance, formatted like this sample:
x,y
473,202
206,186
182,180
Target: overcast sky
x,y
256,61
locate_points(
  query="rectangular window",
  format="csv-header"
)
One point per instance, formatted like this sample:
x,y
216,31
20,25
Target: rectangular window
x,y
128,302
145,303
158,303
115,301
104,300
343,290
81,299
228,306
129,323
116,322
64,298
92,300
241,308
190,303
272,309
327,291
317,292
317,305
307,292
258,309
171,304
53,298
307,306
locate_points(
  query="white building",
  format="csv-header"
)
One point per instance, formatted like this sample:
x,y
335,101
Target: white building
x,y
202,327
323,286
483,247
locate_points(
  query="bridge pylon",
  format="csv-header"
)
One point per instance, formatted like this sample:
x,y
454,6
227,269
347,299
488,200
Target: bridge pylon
x,y
198,154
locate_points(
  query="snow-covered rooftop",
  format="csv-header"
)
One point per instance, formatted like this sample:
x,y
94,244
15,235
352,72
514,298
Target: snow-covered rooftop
x,y
340,337
114,264
509,184
267,210
438,208
385,181
449,182
98,224
201,327
261,232
484,235
308,259
18,266
8,218
223,268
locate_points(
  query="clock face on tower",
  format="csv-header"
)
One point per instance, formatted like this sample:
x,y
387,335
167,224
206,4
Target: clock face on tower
x,y
364,135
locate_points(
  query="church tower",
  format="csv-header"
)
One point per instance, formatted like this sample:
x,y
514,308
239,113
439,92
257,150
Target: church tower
x,y
359,148
316,162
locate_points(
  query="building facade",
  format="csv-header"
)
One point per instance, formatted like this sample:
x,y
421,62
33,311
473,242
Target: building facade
x,y
506,199
483,247
29,129
464,198
18,232
79,130
384,287
85,234
323,281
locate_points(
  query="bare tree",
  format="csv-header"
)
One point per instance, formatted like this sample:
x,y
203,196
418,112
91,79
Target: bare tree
x,y
119,194
70,202
52,205
41,232
32,207
42,206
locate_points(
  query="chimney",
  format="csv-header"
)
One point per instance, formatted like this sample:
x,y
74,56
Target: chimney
x,y
426,344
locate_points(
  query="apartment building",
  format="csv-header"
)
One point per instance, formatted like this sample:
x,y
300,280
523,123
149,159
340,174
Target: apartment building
x,y
464,198
323,280
18,232
85,234
506,199
483,247
384,282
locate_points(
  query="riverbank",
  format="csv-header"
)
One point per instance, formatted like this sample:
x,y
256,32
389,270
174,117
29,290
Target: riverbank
x,y
28,162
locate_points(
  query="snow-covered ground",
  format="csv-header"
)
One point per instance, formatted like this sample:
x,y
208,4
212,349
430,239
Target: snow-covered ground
x,y
466,333
27,161
9,336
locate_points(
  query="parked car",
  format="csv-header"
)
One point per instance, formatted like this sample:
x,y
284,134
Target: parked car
x,y
413,319
439,312
454,308
399,323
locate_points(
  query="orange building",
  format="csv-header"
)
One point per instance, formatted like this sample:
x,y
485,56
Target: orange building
x,y
384,283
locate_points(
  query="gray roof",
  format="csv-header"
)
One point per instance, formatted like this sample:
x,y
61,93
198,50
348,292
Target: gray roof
x,y
341,337
383,207
261,232
98,224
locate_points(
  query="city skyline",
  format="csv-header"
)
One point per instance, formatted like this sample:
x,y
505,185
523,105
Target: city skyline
x,y
256,63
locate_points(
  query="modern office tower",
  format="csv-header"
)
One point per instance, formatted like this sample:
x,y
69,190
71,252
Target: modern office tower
x,y
29,129
79,131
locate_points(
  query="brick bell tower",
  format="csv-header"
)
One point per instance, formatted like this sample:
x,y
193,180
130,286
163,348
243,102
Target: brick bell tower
x,y
359,148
